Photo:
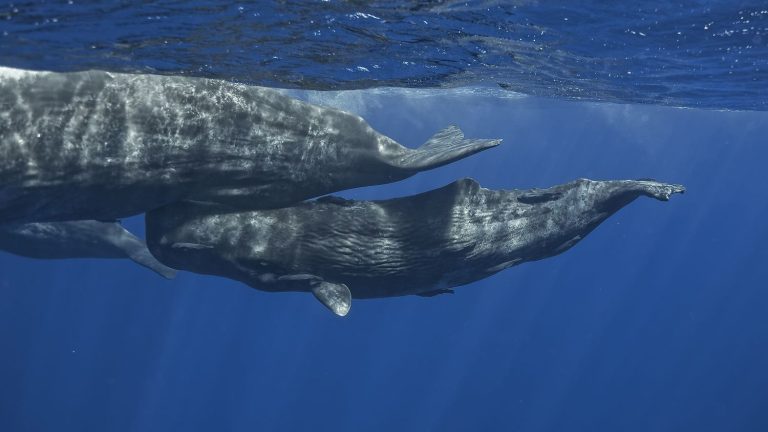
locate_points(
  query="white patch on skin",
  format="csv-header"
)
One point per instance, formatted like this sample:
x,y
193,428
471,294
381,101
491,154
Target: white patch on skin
x,y
504,265
267,277
11,73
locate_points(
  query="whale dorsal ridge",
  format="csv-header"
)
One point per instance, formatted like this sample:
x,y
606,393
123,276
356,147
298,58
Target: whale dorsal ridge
x,y
539,196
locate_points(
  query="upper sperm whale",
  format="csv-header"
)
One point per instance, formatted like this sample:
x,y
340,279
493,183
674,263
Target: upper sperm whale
x,y
98,145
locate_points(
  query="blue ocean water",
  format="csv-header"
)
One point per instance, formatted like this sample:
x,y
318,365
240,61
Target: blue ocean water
x,y
694,53
656,321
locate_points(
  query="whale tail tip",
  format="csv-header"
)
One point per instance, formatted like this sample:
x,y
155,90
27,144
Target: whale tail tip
x,y
446,146
661,191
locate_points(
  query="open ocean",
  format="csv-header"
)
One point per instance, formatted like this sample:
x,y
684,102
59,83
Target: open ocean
x,y
657,321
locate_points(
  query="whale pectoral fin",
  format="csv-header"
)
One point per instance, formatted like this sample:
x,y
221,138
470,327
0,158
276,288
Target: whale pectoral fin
x,y
191,246
436,292
333,199
299,277
335,297
446,146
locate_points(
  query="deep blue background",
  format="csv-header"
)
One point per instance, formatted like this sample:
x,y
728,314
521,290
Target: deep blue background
x,y
656,321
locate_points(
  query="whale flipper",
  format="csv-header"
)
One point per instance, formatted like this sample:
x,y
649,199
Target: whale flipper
x,y
335,297
446,146
190,246
436,292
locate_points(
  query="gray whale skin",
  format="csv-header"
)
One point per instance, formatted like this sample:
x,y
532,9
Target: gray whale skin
x,y
424,244
103,146
78,239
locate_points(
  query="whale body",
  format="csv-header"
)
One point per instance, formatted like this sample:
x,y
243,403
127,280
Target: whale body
x,y
78,239
99,145
424,244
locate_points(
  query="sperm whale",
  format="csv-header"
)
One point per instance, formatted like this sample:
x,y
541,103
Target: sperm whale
x,y
103,146
78,239
425,244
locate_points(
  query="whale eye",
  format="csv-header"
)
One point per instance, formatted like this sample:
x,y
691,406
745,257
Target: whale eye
x,y
537,197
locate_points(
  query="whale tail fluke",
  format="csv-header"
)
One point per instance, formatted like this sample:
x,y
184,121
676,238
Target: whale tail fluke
x,y
137,251
144,257
446,146
660,191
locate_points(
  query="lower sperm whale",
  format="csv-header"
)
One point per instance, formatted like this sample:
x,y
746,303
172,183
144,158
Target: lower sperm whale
x,y
78,239
99,145
424,244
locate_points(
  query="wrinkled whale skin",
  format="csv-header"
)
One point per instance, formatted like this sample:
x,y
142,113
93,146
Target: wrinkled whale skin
x,y
423,244
78,239
98,145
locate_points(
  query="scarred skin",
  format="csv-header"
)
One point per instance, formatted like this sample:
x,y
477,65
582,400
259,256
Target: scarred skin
x,y
98,145
424,244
